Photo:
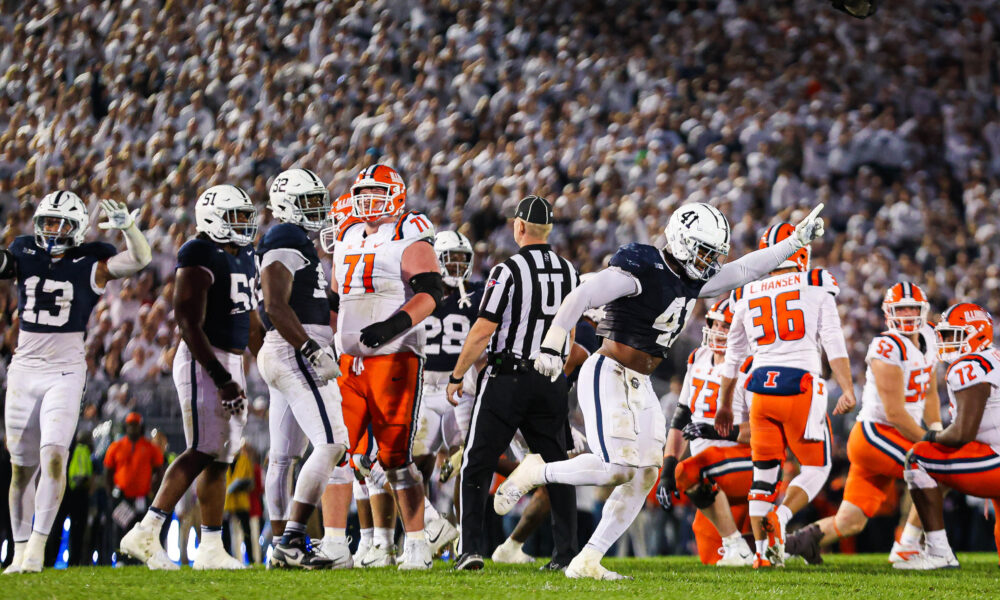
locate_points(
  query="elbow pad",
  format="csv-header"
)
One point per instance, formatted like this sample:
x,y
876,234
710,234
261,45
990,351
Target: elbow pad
x,y
334,299
430,283
7,265
682,416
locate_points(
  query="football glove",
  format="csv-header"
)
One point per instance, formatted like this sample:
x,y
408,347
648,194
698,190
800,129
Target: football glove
x,y
550,358
667,490
232,398
809,228
379,333
322,359
706,431
118,215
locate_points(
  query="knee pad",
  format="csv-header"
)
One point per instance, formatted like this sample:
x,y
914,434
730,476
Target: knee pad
x,y
53,461
360,491
811,480
918,479
765,481
404,477
330,454
703,495
342,475
377,477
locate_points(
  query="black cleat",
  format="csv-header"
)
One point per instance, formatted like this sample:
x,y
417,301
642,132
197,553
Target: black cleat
x,y
805,543
469,562
552,566
297,554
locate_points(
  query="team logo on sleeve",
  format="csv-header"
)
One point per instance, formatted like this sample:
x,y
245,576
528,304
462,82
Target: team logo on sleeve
x,y
491,283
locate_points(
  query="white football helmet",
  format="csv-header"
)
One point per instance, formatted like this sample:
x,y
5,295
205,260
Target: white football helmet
x,y
454,254
226,214
61,222
698,237
298,197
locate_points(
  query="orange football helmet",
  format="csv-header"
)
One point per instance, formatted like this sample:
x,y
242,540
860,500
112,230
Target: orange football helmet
x,y
964,328
905,295
720,312
782,231
369,206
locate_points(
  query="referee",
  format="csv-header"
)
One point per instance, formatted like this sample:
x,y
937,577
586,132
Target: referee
x,y
522,296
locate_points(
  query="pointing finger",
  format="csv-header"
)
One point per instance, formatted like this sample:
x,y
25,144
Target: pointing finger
x,y
815,211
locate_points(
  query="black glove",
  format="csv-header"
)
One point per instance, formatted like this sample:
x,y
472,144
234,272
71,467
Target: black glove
x,y
860,9
379,333
706,431
668,484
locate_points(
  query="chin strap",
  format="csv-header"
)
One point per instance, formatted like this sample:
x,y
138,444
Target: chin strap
x,y
464,299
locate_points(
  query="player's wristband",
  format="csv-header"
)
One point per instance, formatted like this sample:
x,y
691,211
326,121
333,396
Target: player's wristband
x,y
220,376
455,380
936,426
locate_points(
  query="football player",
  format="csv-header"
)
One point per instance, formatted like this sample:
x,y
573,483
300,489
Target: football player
x,y
965,456
59,281
782,321
900,392
441,425
214,303
388,279
715,464
648,294
299,366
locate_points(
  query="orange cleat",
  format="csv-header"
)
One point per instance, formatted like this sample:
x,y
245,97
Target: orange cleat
x,y
775,553
759,562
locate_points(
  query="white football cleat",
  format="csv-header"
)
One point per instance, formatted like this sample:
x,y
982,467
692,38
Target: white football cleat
x,y
925,561
337,550
15,564
587,564
511,554
363,548
527,476
378,556
416,556
901,553
214,557
736,555
143,544
439,533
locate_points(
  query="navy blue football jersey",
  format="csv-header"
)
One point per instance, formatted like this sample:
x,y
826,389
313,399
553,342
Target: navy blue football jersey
x,y
57,295
232,294
652,319
309,284
447,328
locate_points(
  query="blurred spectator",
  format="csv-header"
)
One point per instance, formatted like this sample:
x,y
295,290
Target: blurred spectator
x,y
79,482
133,468
240,484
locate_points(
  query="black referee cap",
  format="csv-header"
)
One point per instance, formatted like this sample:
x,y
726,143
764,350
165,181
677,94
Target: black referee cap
x,y
534,209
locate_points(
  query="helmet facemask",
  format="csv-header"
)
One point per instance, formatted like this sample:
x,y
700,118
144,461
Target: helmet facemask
x,y
905,324
714,335
952,341
242,223
312,209
456,266
370,206
705,260
57,233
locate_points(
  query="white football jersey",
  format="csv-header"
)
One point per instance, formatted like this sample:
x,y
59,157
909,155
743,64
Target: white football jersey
x,y
784,320
369,278
700,393
916,360
973,369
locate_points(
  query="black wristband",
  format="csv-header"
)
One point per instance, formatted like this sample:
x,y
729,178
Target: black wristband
x,y
669,463
309,348
930,436
734,434
220,376
453,379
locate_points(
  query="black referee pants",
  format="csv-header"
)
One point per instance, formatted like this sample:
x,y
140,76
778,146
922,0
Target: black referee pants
x,y
528,401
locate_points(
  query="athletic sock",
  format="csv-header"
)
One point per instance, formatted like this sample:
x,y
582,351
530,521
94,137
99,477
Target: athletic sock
x,y
334,533
430,513
415,536
366,536
761,547
154,518
784,515
212,534
937,543
383,537
732,540
911,535
293,530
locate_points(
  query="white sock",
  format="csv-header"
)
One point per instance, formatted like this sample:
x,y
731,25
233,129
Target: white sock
x,y
430,513
911,535
585,469
211,535
415,536
383,537
366,536
334,533
36,544
732,540
937,543
784,514
516,545
621,508
761,546
19,548
153,519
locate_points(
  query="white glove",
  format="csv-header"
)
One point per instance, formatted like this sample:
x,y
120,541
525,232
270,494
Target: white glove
x,y
809,228
118,215
579,440
550,359
322,359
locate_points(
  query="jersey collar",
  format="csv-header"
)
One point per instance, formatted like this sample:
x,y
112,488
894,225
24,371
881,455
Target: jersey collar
x,y
530,247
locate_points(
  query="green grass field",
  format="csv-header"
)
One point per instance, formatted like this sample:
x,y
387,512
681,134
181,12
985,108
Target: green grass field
x,y
866,576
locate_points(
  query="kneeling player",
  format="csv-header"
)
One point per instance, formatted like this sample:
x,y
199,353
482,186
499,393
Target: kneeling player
x,y
965,456
715,465
900,389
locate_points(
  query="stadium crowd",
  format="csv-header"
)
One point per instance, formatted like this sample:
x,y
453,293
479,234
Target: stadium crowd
x,y
617,111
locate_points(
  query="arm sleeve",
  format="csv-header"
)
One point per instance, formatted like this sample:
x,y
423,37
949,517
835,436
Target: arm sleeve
x,y
830,331
497,294
737,343
292,259
748,268
136,256
610,284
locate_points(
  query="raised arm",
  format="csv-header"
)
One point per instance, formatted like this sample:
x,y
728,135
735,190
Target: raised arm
x,y
137,253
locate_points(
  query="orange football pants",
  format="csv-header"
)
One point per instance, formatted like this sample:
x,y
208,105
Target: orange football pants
x,y
730,468
779,422
385,394
876,453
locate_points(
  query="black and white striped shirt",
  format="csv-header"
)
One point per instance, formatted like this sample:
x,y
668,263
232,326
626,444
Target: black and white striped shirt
x,y
523,294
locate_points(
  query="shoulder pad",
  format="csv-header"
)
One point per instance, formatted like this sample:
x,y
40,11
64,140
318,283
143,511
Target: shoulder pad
x,y
347,225
969,370
20,243
747,364
99,250
283,235
196,252
636,258
824,279
691,356
413,225
888,347
736,295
